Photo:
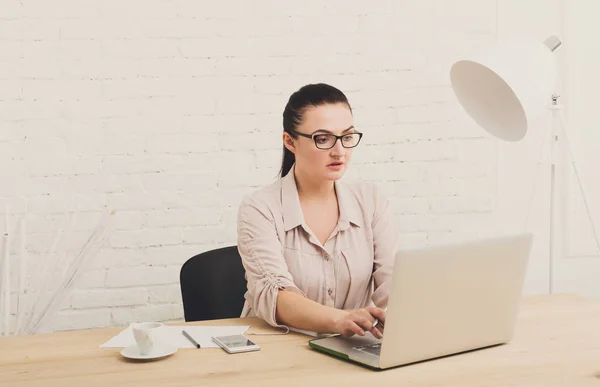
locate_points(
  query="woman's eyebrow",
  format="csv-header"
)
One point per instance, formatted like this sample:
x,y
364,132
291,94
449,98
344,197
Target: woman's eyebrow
x,y
328,131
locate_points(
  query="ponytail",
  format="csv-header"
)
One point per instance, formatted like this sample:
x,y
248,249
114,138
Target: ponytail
x,y
288,161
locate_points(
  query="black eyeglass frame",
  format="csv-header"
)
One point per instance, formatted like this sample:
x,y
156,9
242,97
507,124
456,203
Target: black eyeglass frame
x,y
314,138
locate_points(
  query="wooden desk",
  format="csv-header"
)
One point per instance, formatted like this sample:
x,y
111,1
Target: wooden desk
x,y
557,343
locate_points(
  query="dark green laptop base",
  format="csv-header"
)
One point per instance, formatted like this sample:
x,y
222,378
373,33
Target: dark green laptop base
x,y
340,355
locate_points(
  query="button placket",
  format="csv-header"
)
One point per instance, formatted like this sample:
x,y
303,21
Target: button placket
x,y
330,280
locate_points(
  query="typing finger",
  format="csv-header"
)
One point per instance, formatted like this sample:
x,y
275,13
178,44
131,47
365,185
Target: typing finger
x,y
377,333
379,314
365,323
353,328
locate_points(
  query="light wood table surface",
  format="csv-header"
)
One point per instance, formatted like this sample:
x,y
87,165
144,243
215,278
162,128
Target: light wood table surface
x,y
557,343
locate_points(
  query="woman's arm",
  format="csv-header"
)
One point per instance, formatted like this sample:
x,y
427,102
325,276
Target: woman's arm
x,y
300,312
303,313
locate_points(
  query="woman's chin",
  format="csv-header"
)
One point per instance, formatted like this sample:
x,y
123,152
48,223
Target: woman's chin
x,y
334,174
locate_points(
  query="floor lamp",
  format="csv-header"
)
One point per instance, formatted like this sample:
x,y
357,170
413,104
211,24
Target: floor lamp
x,y
503,88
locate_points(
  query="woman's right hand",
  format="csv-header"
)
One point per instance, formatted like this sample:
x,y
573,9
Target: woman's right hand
x,y
360,321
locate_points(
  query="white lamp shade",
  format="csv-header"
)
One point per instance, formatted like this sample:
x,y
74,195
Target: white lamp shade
x,y
504,87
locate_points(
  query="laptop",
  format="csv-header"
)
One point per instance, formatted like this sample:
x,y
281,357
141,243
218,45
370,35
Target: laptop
x,y
444,300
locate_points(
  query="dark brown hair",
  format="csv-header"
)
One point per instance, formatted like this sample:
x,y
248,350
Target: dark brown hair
x,y
311,95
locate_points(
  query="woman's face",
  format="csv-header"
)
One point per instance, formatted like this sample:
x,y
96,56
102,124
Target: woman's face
x,y
323,164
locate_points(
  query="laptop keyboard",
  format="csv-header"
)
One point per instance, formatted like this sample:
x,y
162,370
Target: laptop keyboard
x,y
373,349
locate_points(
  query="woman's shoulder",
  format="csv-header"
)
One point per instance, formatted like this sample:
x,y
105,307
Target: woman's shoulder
x,y
364,190
264,198
364,197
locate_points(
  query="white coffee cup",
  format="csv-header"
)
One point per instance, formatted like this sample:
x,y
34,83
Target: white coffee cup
x,y
144,334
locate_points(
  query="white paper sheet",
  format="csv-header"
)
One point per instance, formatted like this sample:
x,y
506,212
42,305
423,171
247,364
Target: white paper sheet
x,y
172,335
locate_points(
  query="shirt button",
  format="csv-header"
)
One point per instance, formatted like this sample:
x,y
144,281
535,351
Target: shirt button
x,y
327,257
329,291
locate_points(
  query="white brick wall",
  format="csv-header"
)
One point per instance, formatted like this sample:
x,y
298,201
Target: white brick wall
x,y
170,111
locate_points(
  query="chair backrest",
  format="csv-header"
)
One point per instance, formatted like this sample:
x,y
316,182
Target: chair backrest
x,y
213,284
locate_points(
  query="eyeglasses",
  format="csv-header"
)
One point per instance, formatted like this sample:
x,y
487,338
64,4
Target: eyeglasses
x,y
327,141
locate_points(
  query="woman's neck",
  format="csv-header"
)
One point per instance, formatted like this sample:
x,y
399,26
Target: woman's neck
x,y
311,190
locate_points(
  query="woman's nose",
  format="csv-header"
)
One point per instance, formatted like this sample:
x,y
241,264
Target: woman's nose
x,y
338,149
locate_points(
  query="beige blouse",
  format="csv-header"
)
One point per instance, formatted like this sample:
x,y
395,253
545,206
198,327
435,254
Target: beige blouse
x,y
279,251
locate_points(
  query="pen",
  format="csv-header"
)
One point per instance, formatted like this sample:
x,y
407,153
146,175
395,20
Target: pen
x,y
190,338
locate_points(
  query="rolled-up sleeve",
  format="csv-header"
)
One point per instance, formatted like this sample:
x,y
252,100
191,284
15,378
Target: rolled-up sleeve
x,y
385,239
262,256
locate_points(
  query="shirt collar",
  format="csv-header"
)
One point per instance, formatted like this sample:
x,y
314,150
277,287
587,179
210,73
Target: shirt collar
x,y
292,210
349,207
290,202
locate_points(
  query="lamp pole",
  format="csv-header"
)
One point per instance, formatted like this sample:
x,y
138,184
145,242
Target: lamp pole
x,y
554,153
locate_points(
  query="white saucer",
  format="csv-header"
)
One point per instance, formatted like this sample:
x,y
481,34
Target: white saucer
x,y
160,350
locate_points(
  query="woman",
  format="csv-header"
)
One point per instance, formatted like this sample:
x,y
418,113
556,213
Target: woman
x,y
318,253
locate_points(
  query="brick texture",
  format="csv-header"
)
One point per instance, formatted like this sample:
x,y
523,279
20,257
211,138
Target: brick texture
x,y
170,111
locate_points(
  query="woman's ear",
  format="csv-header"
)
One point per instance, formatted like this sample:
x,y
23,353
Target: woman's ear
x,y
289,142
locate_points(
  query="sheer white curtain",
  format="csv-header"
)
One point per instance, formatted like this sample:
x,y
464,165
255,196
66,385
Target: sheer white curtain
x,y
32,292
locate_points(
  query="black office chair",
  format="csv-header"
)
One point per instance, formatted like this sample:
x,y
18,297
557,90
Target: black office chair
x,y
213,284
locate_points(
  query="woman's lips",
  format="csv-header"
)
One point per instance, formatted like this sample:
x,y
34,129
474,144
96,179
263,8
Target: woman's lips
x,y
335,166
